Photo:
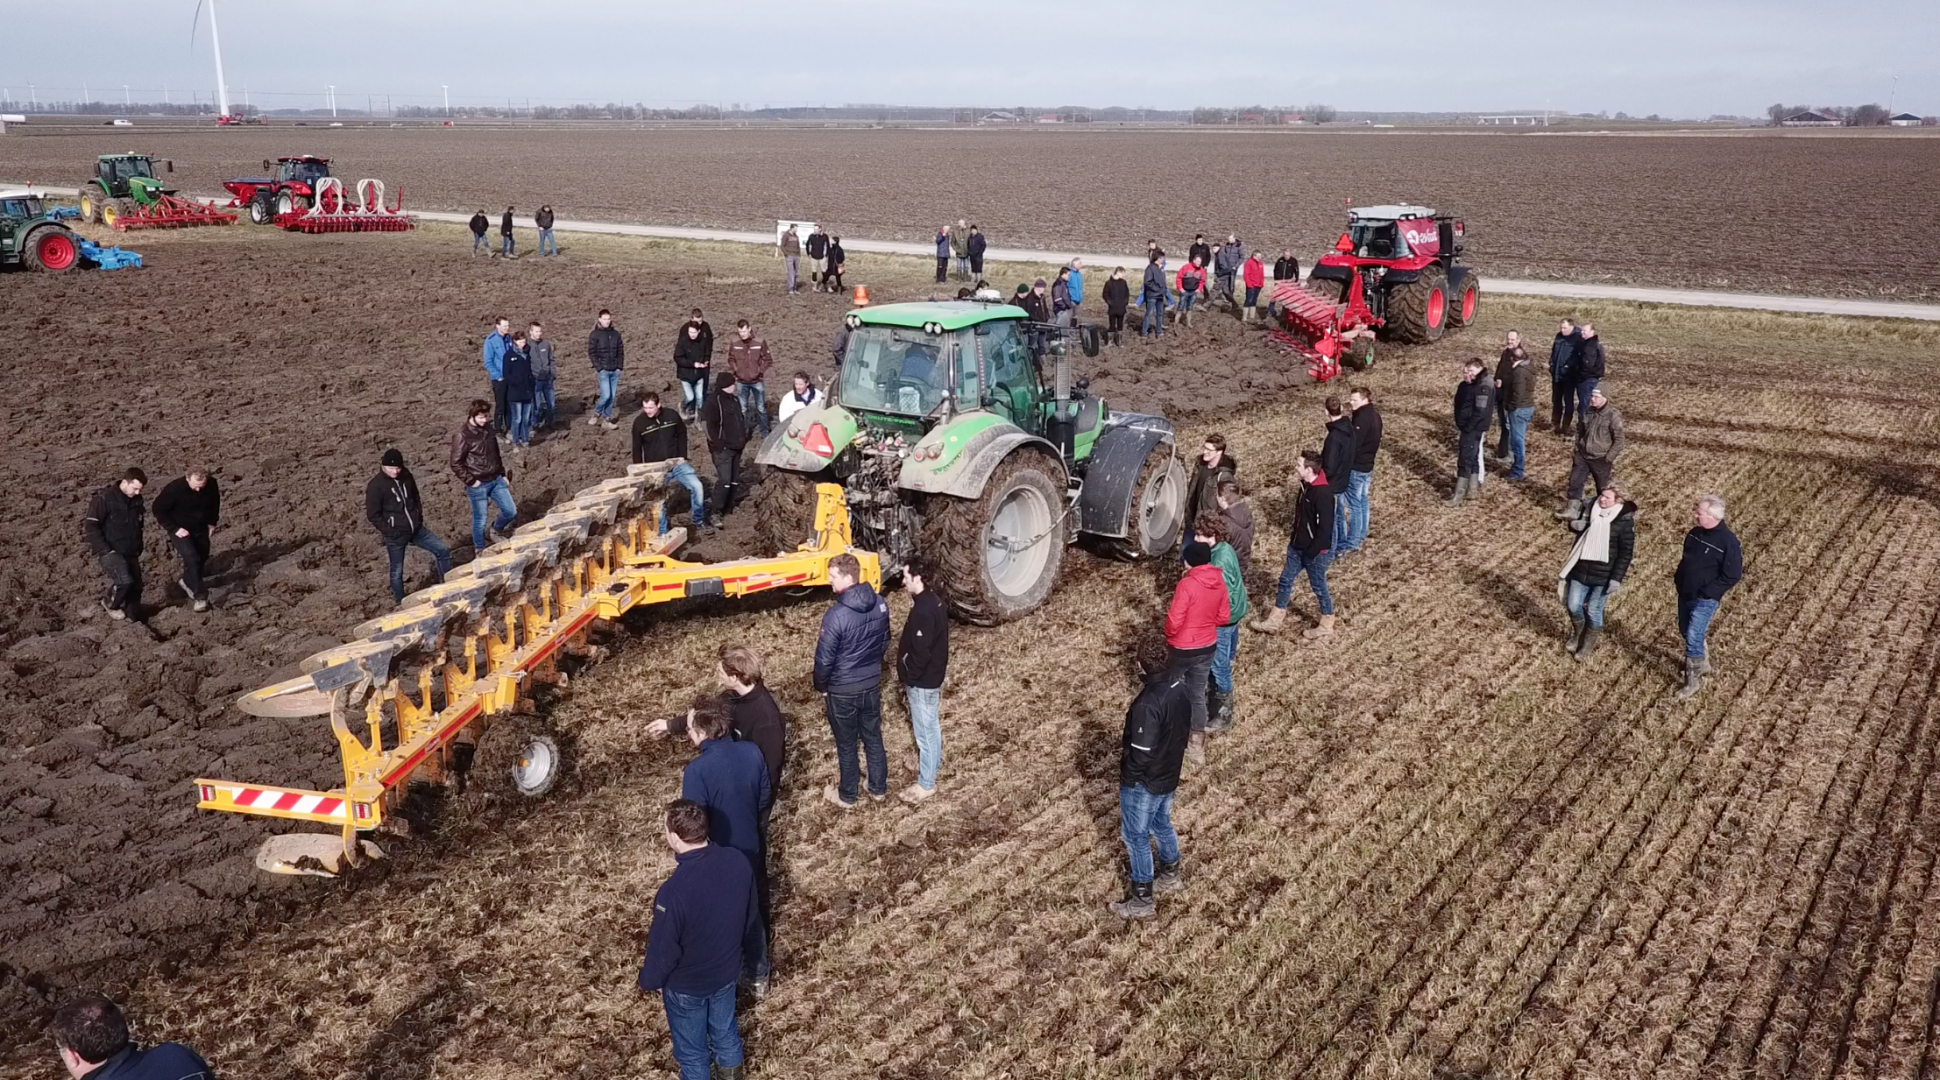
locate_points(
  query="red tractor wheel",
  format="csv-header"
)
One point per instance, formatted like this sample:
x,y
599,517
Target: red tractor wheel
x,y
1468,300
1417,311
53,250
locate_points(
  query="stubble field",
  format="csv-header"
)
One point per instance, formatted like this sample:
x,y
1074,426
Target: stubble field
x,y
1797,212
1434,847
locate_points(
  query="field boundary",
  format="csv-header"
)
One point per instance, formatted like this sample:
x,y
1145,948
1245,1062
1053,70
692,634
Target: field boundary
x,y
1798,305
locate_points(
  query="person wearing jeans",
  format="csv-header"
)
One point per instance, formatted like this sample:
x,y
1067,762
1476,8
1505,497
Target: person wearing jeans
x,y
660,435
1360,477
705,920
505,233
1589,366
1151,754
543,219
1712,564
749,359
1597,564
1200,606
922,659
545,370
1215,527
518,390
848,668
1307,550
392,506
607,352
1153,296
475,461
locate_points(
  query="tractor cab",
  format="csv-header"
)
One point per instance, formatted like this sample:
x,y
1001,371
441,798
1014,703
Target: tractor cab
x,y
21,204
124,176
1394,232
301,170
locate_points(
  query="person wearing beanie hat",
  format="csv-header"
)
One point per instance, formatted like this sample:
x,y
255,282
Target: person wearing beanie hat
x,y
1036,303
392,506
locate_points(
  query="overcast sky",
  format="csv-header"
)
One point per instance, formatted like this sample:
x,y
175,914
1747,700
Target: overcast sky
x,y
1675,57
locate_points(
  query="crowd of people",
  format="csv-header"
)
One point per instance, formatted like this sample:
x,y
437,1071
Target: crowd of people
x,y
713,919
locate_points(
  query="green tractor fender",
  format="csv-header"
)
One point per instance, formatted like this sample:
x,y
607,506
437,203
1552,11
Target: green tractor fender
x,y
787,445
964,475
1115,468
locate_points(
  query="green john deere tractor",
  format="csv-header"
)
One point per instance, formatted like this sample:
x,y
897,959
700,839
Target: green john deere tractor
x,y
954,443
120,183
29,238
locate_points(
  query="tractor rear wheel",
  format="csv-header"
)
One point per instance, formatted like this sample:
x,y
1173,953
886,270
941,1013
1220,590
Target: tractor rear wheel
x,y
999,554
1158,509
1467,300
261,210
784,510
51,249
1417,312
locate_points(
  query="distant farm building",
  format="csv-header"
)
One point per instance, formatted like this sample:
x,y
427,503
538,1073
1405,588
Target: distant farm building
x,y
1514,120
1905,119
998,117
1810,119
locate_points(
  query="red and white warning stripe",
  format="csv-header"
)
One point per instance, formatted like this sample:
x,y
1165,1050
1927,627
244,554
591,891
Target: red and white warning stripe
x,y
261,800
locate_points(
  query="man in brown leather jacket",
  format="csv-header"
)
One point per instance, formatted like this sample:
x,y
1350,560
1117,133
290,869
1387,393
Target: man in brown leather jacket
x,y
475,462
750,360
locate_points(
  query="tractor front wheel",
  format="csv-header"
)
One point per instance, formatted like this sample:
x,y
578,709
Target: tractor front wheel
x,y
1158,509
998,555
51,249
784,510
1417,312
114,210
1467,301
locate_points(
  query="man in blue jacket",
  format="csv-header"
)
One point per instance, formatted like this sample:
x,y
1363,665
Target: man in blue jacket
x,y
848,668
703,918
1711,564
730,781
495,344
92,1036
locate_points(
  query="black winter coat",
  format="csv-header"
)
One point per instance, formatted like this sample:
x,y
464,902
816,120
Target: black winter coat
x,y
113,523
180,506
1562,358
1118,295
855,635
1474,405
518,376
1367,437
1153,748
757,719
1313,518
923,653
1712,563
505,224
1035,306
1623,546
692,355
1589,360
818,245
480,224
978,245
392,506
661,437
543,218
725,421
605,349
1337,453
837,257
1286,269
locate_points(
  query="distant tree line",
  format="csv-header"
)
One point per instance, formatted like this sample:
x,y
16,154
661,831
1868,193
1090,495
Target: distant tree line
x,y
1263,114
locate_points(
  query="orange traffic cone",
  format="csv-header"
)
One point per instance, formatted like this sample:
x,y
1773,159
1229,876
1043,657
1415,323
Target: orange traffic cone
x,y
862,296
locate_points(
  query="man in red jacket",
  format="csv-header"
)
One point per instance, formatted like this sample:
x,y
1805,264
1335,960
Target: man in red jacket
x,y
1253,276
1200,606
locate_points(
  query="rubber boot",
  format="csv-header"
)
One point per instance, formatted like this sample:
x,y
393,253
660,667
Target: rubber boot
x,y
1693,678
1588,645
1703,665
722,1072
1569,512
1274,621
1324,630
1220,705
1196,748
1576,636
1461,491
1137,903
1167,880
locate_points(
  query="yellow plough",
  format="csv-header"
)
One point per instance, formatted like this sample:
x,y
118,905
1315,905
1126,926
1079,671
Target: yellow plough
x,y
457,655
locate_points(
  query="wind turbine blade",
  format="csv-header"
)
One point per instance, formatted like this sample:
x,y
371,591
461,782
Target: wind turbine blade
x,y
193,23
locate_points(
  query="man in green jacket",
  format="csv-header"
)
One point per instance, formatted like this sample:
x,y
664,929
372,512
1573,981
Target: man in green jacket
x,y
1212,530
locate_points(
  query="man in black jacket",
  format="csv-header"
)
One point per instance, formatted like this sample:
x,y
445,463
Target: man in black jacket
x,y
727,435
817,249
693,362
543,219
1474,411
112,529
392,506
922,657
607,353
1589,367
188,510
505,233
1562,377
660,435
1337,461
1711,565
480,225
1360,477
1309,550
848,669
1151,753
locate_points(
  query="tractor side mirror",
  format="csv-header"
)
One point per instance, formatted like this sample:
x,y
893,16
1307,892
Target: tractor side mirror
x,y
1088,339
169,164
266,165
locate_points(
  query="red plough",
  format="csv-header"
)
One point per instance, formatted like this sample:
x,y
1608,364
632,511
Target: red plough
x,y
168,212
338,210
1326,335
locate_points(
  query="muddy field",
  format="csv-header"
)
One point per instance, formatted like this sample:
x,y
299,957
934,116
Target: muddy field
x,y
1820,216
1437,846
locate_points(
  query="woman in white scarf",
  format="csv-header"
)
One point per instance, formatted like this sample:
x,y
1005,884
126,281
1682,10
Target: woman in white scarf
x,y
1606,538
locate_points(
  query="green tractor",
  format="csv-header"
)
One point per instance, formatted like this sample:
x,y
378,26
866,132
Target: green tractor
x,y
121,183
29,238
951,443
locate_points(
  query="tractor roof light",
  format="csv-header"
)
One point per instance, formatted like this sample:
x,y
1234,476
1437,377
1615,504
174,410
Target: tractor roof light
x,y
817,441
934,329
851,320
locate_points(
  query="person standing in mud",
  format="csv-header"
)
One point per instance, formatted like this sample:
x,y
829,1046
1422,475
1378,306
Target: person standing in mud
x,y
505,234
1711,565
705,919
848,669
475,461
112,529
730,780
480,225
977,245
1474,411
726,425
1117,295
1151,755
494,359
188,510
392,506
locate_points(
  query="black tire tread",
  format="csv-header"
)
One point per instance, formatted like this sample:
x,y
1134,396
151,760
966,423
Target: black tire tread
x,y
1407,309
1473,281
784,510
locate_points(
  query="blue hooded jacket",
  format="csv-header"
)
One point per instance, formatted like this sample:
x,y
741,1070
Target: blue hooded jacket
x,y
855,637
1076,284
495,356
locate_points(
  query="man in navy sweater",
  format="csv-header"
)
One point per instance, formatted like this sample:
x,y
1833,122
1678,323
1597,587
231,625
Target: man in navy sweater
x,y
92,1036
702,917
730,781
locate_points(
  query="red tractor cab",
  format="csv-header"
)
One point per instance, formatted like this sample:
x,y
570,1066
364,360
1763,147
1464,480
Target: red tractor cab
x,y
291,187
1404,257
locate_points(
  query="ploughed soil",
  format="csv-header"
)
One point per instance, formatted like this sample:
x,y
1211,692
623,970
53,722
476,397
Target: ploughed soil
x,y
1434,846
1781,212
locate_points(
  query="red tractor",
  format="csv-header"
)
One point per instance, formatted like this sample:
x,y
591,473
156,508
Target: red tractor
x,y
292,188
1392,275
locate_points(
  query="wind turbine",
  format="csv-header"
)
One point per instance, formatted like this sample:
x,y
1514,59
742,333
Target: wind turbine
x,y
215,39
